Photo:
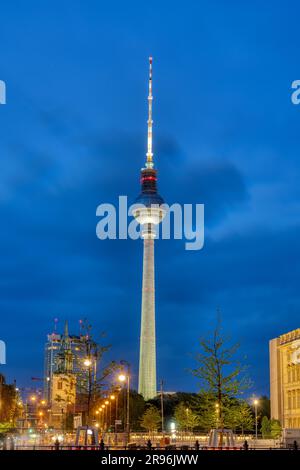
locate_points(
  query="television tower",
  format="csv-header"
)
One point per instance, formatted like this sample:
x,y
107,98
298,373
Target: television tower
x,y
148,216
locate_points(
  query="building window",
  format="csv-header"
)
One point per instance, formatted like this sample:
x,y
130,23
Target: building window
x,y
294,399
59,385
289,401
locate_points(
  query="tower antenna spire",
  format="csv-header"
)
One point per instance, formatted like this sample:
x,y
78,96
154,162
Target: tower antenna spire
x,y
149,162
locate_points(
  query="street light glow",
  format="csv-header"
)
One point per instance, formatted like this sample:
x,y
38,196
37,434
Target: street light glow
x,y
172,426
87,362
122,378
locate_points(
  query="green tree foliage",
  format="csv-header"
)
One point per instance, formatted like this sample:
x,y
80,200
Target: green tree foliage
x,y
221,377
270,428
6,428
265,428
171,400
275,428
208,412
242,416
136,408
151,419
264,406
9,409
185,417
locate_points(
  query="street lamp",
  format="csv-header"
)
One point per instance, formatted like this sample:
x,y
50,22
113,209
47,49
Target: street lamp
x,y
255,402
217,414
112,397
87,363
122,378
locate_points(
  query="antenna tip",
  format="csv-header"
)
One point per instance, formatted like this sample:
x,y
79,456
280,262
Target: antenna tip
x,y
150,59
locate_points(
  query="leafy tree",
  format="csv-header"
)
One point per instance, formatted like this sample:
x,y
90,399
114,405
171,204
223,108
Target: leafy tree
x,y
9,409
185,417
208,412
6,428
275,428
263,407
171,400
221,376
265,428
136,408
151,419
242,416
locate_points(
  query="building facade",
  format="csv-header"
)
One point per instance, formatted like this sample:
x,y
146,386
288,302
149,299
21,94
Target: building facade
x,y
52,359
285,379
62,398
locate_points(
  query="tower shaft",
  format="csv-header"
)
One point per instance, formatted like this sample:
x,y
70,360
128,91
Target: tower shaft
x,y
147,366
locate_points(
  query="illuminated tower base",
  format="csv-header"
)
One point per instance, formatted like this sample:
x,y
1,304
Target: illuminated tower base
x,y
147,367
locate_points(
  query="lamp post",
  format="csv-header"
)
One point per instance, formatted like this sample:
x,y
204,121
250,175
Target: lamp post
x,y
112,397
255,407
117,409
88,364
103,417
106,414
162,406
124,378
217,414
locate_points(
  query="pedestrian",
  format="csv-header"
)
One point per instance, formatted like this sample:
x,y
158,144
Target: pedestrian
x,y
197,445
295,445
56,444
12,444
149,444
102,445
246,445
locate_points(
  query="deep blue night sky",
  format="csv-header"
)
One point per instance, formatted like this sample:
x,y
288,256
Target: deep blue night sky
x,y
73,135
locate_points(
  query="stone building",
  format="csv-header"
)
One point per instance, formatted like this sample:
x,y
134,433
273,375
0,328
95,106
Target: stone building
x,y
285,379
